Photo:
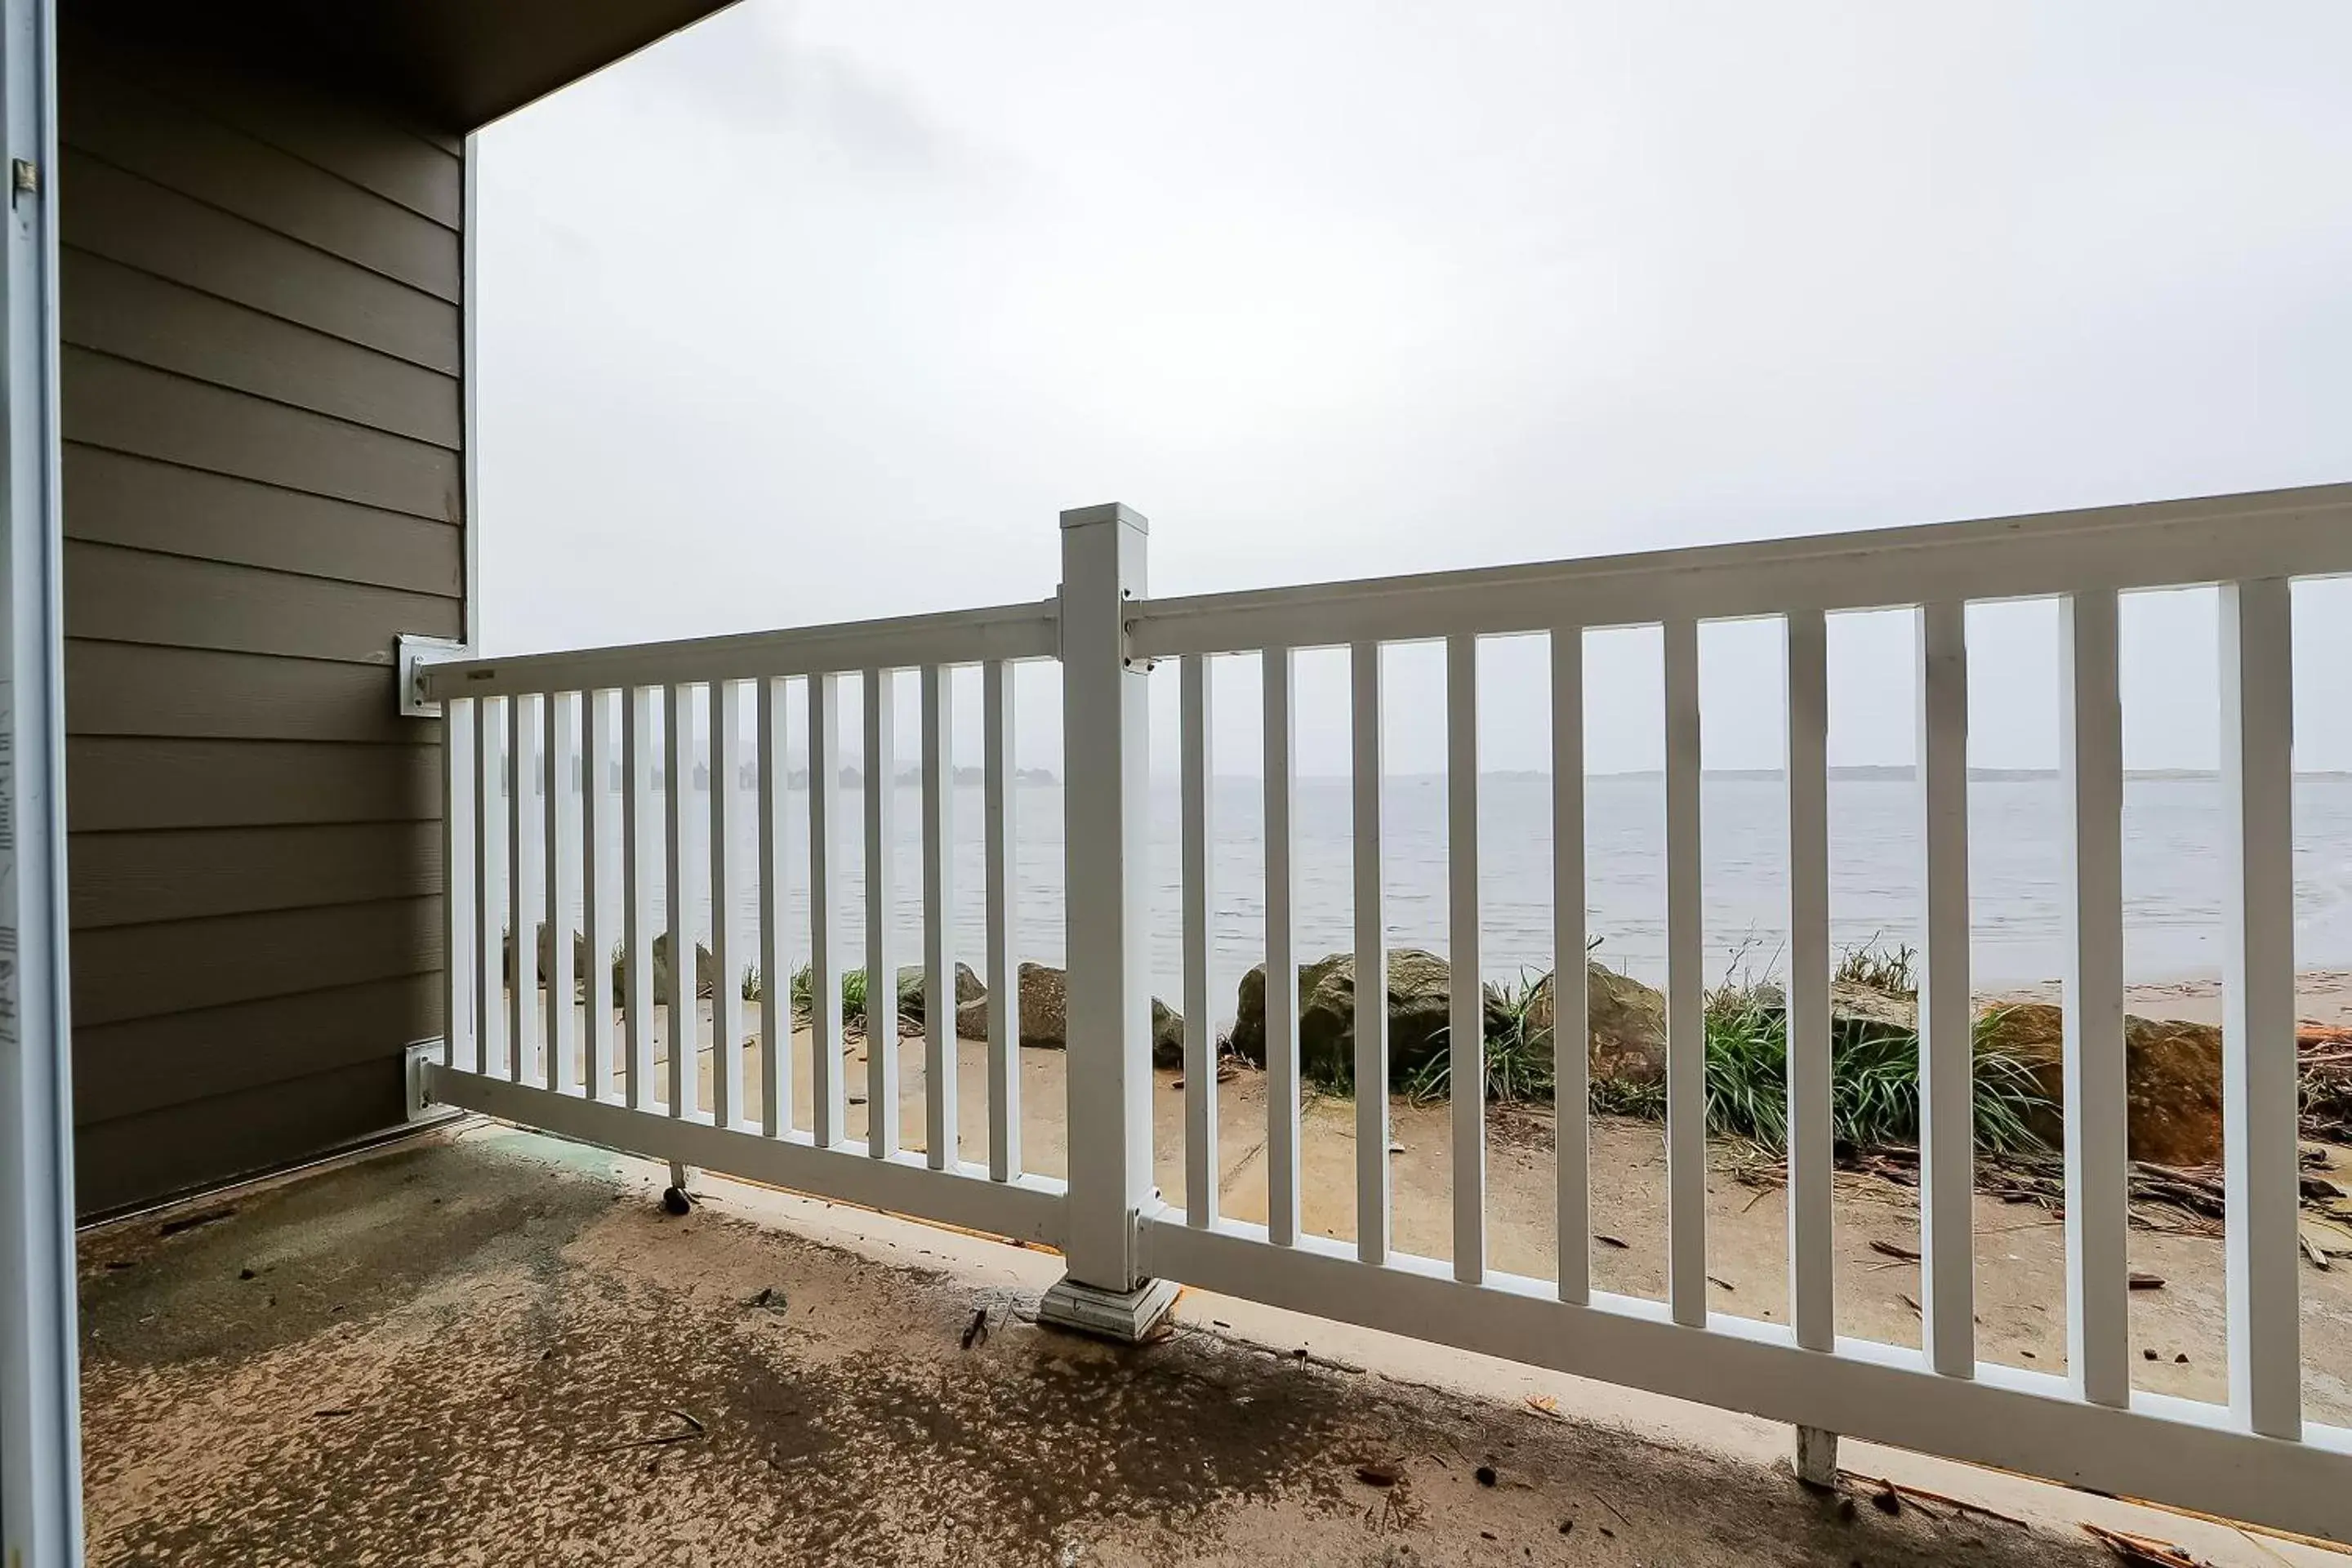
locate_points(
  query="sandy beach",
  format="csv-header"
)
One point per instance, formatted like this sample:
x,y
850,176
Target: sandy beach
x,y
2322,997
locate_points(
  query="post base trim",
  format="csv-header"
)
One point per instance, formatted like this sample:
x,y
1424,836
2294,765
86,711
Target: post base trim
x,y
1126,1316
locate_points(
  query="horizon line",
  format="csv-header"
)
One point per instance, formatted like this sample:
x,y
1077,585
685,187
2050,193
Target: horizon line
x,y
1853,772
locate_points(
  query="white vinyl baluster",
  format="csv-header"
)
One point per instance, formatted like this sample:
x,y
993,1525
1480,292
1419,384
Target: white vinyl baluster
x,y
637,874
489,811
457,902
776,907
828,1115
1199,940
881,966
563,871
684,1025
1281,962
726,949
1686,987
1372,1019
1466,1017
1004,959
2259,1087
523,848
942,1129
1572,1090
596,891
1947,1049
2097,1148
1812,1299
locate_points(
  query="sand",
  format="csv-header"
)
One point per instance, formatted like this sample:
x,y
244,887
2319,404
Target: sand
x,y
2322,997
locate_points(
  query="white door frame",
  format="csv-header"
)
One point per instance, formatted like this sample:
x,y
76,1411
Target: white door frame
x,y
40,1447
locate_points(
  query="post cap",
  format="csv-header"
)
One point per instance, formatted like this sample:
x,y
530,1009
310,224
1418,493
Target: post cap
x,y
1108,512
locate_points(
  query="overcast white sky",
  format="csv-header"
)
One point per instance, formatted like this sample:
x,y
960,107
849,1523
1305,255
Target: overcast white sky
x,y
823,310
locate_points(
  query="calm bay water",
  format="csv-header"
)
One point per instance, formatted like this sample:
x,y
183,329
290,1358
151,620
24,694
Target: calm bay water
x,y
2172,873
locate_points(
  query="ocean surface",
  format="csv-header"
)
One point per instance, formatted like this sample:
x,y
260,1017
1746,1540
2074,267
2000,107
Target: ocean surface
x,y
2172,874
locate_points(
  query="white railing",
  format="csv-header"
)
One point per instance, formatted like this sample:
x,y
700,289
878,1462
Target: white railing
x,y
2258,1458
530,847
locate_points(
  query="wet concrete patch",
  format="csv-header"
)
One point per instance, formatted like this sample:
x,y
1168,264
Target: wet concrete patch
x,y
280,1264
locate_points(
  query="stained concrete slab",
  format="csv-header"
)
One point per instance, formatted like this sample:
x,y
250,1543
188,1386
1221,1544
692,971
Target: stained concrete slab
x,y
493,1348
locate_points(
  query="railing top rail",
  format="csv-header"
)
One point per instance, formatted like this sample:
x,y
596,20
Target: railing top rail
x,y
962,636
2268,533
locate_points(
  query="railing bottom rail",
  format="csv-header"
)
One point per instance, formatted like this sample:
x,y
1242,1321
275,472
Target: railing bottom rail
x,y
1029,1208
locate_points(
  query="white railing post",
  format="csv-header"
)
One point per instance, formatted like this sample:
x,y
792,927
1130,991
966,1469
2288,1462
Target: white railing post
x,y
2259,1174
1104,760
2097,1129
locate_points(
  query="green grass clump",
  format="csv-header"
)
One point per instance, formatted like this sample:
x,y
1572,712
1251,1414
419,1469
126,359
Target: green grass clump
x,y
1874,1071
1873,1082
853,993
1518,1058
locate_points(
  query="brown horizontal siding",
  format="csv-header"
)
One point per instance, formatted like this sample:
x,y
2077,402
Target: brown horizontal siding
x,y
130,783
116,213
128,407
133,128
349,137
144,972
121,689
263,488
151,321
181,874
138,1160
114,497
148,1064
169,601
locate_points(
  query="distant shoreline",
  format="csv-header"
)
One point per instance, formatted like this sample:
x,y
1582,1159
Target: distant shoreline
x,y
1902,775
970,777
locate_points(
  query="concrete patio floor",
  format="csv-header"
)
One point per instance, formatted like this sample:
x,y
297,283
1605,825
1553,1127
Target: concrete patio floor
x,y
489,1347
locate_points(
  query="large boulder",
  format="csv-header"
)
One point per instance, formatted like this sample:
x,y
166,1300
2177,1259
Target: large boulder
x,y
1857,1011
1167,1036
2172,1078
1419,994
1625,1026
546,968
705,973
2172,1070
706,970
911,992
1862,1012
1044,1008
